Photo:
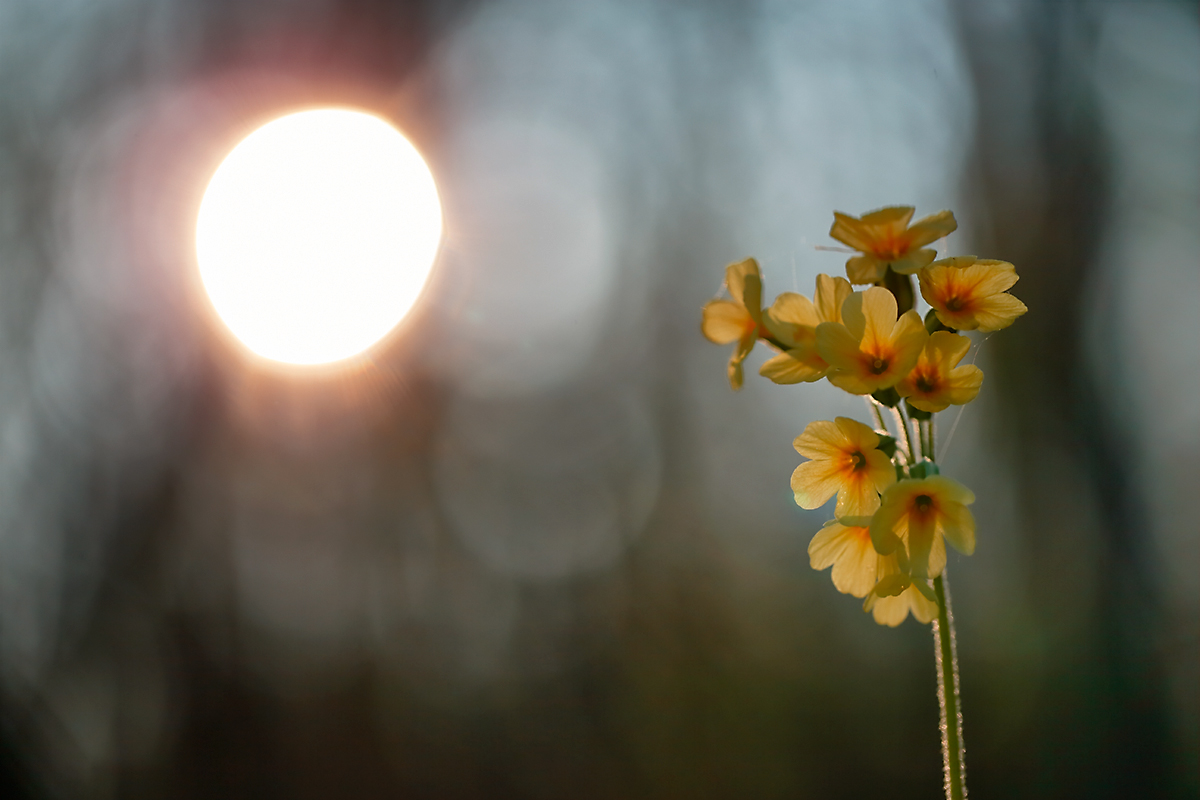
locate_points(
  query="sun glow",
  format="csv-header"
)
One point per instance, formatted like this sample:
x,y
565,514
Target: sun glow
x,y
317,234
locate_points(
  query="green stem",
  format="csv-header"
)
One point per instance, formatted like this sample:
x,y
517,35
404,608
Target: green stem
x,y
876,414
905,436
946,656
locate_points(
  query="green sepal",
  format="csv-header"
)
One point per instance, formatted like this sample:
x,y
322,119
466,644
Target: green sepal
x,y
933,324
924,469
887,445
892,585
916,413
924,588
887,397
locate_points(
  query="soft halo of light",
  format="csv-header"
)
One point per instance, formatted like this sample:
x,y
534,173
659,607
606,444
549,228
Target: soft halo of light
x,y
317,234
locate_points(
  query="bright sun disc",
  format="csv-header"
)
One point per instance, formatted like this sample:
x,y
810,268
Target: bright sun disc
x,y
317,234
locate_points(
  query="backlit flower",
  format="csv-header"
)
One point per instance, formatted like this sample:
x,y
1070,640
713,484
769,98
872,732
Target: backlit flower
x,y
970,293
885,239
872,350
846,460
892,609
793,320
738,320
920,515
936,381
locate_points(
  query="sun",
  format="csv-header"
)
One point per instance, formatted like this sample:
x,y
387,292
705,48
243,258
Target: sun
x,y
317,234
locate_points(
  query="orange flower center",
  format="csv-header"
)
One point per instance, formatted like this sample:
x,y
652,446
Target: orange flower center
x,y
857,460
926,384
923,505
955,304
878,366
890,247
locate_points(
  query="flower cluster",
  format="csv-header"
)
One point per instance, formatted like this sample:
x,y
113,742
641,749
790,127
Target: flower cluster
x,y
894,512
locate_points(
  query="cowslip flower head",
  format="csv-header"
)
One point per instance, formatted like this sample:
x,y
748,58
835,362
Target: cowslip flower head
x,y
737,320
915,519
844,459
885,240
936,381
896,594
871,349
970,293
793,320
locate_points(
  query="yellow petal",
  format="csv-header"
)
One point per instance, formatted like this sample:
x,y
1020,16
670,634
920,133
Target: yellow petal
x,y
724,322
998,311
792,367
923,609
734,371
986,276
891,218
908,337
827,546
821,439
878,310
920,543
958,526
795,309
931,228
946,348
837,345
856,435
814,482
890,611
736,276
912,261
948,488
856,497
865,269
937,556
962,386
880,470
830,295
855,571
850,231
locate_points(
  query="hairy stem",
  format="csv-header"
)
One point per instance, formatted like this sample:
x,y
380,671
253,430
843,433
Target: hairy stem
x,y
876,414
906,438
946,656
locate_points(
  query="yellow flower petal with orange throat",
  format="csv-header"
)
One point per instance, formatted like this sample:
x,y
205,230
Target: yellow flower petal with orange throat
x,y
970,293
845,460
849,551
919,515
739,320
885,240
873,349
936,381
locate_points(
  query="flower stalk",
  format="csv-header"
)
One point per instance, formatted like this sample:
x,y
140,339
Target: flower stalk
x,y
950,710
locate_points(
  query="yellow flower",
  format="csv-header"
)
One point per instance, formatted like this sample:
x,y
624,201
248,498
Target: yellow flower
x,y
738,320
892,609
935,382
885,239
793,320
872,350
970,293
920,515
845,459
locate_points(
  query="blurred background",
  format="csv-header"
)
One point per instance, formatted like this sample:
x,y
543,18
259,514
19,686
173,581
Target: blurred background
x,y
535,547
